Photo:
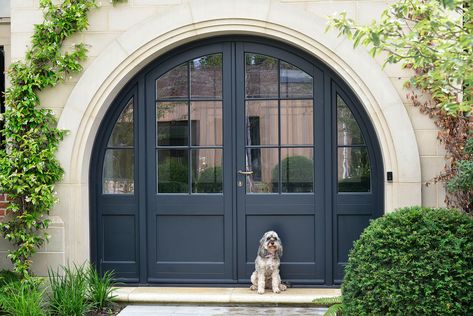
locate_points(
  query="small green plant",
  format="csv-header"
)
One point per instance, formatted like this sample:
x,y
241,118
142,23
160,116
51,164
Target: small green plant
x,y
69,289
334,310
100,293
414,261
21,299
328,301
335,305
7,276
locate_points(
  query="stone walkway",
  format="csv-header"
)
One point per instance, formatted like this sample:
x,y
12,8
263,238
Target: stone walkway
x,y
195,310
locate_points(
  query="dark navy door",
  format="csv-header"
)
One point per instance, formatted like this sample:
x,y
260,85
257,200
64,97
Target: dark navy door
x,y
189,151
279,160
217,142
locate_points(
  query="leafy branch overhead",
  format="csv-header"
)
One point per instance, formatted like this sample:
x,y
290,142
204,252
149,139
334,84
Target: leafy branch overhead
x,y
28,166
433,39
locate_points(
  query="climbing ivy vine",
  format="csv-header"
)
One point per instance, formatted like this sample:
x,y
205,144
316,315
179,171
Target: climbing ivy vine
x,y
28,166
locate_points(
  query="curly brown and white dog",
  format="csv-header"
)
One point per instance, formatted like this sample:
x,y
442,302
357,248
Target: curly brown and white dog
x,y
267,264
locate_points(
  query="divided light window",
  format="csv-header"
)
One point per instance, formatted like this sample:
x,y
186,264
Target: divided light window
x,y
354,171
119,161
189,140
279,115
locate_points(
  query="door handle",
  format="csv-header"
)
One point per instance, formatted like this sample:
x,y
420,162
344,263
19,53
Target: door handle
x,y
246,173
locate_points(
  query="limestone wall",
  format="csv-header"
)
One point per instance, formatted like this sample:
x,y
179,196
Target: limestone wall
x,y
122,39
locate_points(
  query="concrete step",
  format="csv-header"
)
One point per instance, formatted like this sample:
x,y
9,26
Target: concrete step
x,y
212,295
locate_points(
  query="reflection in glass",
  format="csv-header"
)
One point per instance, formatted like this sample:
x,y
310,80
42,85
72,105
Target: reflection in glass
x,y
173,171
295,83
206,76
297,170
207,173
173,123
173,84
264,164
262,122
118,171
261,76
206,122
348,131
297,122
353,169
122,134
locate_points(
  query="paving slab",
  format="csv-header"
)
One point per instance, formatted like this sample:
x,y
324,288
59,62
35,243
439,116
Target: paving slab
x,y
191,310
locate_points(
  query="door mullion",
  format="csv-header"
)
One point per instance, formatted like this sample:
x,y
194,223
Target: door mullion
x,y
239,119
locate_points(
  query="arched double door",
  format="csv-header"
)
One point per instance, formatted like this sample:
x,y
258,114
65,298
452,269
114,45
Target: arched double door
x,y
217,142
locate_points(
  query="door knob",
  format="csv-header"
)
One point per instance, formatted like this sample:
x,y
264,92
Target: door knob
x,y
246,173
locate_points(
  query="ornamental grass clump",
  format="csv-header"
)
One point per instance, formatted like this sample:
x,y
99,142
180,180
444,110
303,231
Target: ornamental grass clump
x,y
21,298
414,261
100,292
69,291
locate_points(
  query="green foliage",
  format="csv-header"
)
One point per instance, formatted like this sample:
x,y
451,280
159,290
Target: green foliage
x,y
433,39
100,293
28,168
414,261
210,180
21,299
173,175
463,179
7,276
335,305
69,290
328,301
428,37
296,174
334,310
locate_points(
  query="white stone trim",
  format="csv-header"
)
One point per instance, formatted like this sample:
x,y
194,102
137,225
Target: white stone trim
x,y
147,40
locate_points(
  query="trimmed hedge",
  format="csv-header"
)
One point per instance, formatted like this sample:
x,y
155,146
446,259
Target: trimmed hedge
x,y
415,261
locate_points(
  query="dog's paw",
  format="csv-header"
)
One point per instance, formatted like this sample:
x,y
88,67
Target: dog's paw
x,y
282,287
276,290
260,291
253,287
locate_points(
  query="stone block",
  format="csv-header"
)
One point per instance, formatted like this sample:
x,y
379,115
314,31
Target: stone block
x,y
427,142
122,18
429,195
325,9
23,20
97,42
431,167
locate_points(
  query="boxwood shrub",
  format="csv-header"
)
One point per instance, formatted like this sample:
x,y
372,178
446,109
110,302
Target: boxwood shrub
x,y
415,261
296,174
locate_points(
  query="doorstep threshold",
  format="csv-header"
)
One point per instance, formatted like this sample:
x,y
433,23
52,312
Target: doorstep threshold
x,y
206,295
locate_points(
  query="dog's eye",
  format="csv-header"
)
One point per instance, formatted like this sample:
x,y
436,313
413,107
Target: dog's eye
x,y
269,238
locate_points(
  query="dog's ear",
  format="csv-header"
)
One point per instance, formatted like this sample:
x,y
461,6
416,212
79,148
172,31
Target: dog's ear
x,y
280,249
262,252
